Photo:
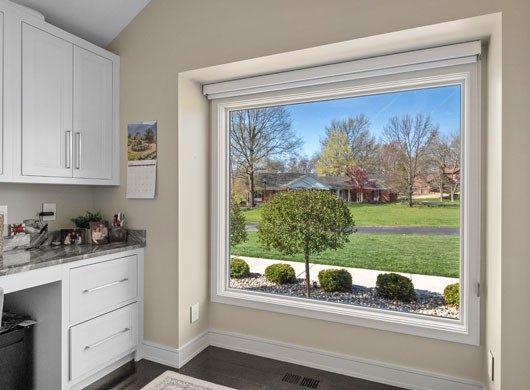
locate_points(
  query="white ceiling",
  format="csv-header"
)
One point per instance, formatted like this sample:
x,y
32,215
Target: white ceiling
x,y
97,21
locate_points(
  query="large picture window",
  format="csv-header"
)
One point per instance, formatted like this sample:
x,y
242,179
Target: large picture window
x,y
353,196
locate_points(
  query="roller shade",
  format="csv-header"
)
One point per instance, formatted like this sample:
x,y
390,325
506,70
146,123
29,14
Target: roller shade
x,y
462,53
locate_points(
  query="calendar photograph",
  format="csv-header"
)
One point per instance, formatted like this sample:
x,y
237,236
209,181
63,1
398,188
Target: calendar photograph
x,y
141,141
142,155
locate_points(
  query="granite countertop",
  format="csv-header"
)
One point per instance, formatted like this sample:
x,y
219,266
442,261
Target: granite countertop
x,y
46,255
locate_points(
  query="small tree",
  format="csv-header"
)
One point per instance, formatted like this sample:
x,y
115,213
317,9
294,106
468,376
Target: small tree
x,y
238,234
305,222
149,135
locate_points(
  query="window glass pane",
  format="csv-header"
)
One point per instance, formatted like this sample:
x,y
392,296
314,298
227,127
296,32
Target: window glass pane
x,y
394,162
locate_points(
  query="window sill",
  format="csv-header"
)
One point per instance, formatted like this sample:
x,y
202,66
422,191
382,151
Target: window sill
x,y
446,329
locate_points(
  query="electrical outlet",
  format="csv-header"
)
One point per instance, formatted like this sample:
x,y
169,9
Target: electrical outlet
x,y
3,210
491,366
194,311
49,207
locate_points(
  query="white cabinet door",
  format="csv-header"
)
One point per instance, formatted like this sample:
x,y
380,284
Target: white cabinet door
x,y
46,104
93,115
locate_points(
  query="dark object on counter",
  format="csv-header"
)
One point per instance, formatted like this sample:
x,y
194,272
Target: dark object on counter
x,y
117,235
41,238
16,357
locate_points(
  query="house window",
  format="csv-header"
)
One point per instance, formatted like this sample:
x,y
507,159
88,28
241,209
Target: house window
x,y
396,140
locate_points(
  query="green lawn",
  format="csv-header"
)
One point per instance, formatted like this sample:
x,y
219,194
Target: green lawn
x,y
393,214
252,215
417,254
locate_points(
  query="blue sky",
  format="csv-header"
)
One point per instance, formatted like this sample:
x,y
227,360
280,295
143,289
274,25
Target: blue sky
x,y
310,119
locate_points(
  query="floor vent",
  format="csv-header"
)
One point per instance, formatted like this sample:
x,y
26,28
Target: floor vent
x,y
291,378
310,383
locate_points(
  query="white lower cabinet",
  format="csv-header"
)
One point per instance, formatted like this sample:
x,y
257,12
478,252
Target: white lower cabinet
x,y
97,342
103,313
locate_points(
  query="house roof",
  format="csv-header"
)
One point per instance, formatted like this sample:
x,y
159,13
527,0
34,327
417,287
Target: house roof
x,y
282,181
277,181
306,182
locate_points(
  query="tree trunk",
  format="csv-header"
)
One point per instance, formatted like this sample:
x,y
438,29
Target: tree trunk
x,y
410,188
307,277
251,189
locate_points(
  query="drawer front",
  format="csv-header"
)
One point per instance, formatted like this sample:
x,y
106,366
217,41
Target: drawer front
x,y
96,343
98,288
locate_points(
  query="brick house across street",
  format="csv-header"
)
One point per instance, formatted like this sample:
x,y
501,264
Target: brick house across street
x,y
374,191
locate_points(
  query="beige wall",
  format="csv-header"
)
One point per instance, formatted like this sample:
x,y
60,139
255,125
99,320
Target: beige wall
x,y
24,201
174,36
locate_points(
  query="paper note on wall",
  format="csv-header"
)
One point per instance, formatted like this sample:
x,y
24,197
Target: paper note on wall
x,y
141,166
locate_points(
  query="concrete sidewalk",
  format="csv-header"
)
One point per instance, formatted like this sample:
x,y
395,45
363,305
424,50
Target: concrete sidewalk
x,y
362,277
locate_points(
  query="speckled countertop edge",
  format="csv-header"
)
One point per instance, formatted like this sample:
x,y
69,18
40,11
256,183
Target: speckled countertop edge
x,y
46,256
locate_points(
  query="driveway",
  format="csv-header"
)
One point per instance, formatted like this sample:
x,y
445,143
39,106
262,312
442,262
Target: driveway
x,y
433,231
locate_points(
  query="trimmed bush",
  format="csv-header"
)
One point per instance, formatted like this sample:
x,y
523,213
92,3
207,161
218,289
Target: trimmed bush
x,y
335,280
396,287
239,268
452,294
280,274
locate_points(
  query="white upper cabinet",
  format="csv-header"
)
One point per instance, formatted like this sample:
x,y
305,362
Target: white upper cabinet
x,y
92,115
46,104
61,105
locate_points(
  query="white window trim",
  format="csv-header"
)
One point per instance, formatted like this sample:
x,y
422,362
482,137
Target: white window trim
x,y
467,328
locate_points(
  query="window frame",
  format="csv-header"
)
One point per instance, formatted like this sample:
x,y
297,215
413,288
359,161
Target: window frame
x,y
464,330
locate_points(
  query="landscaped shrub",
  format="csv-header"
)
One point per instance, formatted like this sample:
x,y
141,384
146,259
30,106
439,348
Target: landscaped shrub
x,y
335,280
280,274
239,268
452,294
395,287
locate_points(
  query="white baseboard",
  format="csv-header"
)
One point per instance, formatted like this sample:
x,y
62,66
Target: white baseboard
x,y
160,354
309,357
174,357
192,348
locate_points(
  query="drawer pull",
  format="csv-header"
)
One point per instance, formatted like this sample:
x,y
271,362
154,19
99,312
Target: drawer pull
x,y
107,339
105,286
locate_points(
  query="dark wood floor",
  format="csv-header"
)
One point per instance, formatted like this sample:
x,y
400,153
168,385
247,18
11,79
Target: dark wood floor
x,y
236,370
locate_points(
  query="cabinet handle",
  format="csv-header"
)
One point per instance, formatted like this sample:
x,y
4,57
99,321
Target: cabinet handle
x,y
105,286
68,148
78,150
106,339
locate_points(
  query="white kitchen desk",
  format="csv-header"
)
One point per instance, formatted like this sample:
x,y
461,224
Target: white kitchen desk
x,y
88,304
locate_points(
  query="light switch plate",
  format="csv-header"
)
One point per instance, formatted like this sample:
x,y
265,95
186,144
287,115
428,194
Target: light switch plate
x,y
49,207
194,313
